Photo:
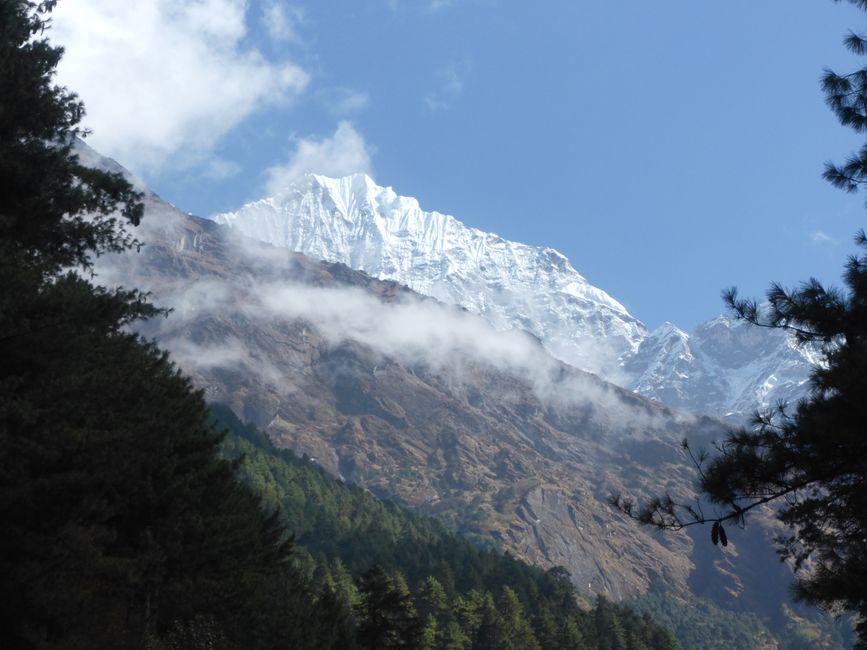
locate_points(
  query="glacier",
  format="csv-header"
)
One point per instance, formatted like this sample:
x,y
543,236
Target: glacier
x,y
724,368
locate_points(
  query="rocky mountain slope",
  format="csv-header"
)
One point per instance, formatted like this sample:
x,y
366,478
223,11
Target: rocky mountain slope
x,y
723,368
427,404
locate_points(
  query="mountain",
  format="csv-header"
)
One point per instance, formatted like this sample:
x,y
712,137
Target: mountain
x,y
341,531
355,222
418,401
426,404
723,368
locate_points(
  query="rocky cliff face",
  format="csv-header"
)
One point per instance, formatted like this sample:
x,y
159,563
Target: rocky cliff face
x,y
723,368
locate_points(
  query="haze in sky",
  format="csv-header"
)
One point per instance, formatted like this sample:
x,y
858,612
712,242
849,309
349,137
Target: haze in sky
x,y
669,150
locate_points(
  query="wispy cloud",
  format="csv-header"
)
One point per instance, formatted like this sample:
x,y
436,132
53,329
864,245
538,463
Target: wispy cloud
x,y
165,81
282,21
428,5
220,169
342,101
820,237
436,5
451,85
345,152
451,342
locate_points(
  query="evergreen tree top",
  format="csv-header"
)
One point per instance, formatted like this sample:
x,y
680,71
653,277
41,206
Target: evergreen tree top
x,y
54,212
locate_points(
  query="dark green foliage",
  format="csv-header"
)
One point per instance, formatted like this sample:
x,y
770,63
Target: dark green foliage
x,y
516,629
120,520
386,615
813,459
619,628
54,213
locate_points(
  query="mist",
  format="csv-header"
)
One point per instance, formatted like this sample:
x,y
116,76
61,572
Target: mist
x,y
408,329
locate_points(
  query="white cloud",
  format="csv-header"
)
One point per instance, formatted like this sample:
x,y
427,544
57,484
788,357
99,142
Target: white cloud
x,y
227,354
451,86
282,21
342,154
341,101
821,237
163,81
220,169
411,330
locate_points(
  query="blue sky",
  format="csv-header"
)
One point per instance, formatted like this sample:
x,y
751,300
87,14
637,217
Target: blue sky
x,y
669,149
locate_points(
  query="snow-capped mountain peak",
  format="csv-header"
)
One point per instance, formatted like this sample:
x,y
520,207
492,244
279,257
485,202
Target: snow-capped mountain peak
x,y
371,228
723,368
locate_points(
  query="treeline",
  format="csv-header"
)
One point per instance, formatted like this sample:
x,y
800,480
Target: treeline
x,y
405,581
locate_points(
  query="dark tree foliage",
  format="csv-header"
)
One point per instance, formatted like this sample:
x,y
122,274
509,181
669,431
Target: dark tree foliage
x,y
119,517
54,213
121,524
386,614
810,462
846,95
813,461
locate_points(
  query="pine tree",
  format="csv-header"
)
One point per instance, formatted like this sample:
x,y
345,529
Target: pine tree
x,y
386,615
846,95
434,612
609,630
54,213
809,461
516,628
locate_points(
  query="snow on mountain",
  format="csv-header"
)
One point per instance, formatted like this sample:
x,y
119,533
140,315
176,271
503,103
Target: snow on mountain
x,y
370,228
724,368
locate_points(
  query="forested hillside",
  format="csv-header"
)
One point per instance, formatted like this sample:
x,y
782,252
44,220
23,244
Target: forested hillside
x,y
405,577
454,586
